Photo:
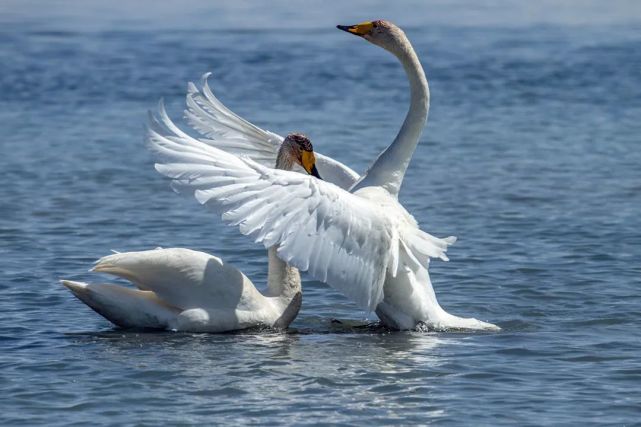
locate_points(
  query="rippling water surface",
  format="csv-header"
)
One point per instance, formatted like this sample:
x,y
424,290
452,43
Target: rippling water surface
x,y
531,156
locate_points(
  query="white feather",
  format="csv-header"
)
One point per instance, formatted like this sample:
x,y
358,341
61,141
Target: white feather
x,y
222,128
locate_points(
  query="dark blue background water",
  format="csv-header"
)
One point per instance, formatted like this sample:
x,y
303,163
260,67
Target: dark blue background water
x,y
531,156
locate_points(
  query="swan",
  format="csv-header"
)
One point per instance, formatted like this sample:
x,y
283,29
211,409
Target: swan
x,y
349,231
185,290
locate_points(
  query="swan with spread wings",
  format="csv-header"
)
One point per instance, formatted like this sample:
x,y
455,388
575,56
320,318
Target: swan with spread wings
x,y
349,231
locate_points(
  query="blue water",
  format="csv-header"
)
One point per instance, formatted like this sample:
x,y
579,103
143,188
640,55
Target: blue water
x,y
532,157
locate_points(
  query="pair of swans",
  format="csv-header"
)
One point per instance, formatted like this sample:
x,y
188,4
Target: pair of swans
x,y
347,230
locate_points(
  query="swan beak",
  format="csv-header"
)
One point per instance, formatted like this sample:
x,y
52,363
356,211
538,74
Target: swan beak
x,y
358,29
308,161
315,173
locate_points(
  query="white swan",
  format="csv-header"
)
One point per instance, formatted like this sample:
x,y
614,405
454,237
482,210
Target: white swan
x,y
185,290
361,241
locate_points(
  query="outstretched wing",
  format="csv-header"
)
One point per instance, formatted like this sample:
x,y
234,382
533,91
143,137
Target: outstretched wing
x,y
340,238
222,128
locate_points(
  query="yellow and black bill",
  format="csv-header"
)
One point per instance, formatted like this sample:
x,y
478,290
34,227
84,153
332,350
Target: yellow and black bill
x,y
308,161
315,173
358,29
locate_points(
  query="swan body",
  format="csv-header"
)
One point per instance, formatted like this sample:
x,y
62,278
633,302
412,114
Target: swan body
x,y
349,231
185,290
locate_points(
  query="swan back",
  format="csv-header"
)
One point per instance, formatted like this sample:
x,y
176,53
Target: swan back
x,y
184,278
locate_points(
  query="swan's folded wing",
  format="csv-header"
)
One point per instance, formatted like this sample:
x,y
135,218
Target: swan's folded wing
x,y
340,238
223,129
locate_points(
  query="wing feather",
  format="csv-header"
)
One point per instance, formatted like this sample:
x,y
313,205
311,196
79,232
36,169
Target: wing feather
x,y
222,128
307,218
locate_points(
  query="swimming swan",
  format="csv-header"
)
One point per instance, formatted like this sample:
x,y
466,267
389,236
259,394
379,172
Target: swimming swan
x,y
185,290
353,235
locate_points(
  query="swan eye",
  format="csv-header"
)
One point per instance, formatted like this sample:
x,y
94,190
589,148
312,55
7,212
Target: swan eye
x,y
305,145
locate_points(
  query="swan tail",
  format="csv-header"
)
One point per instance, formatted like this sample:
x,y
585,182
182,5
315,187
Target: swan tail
x,y
124,307
424,246
449,322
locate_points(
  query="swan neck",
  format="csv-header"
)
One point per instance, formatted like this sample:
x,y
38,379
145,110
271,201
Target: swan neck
x,y
389,168
283,280
419,93
284,160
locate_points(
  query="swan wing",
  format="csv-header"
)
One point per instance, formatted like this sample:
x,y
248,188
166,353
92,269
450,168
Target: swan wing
x,y
184,278
222,128
340,238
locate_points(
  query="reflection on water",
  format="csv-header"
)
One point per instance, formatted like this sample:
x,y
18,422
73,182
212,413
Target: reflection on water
x,y
326,369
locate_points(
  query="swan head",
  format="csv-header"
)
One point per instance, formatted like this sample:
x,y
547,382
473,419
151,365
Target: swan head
x,y
380,32
297,149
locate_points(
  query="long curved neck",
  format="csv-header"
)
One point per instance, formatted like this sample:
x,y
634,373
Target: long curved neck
x,y
283,280
389,168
